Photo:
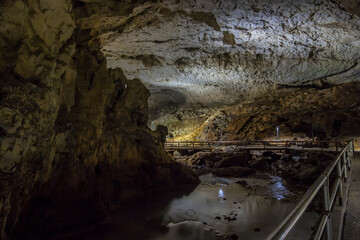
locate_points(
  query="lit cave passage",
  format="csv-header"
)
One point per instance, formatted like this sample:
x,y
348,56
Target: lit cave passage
x,y
91,90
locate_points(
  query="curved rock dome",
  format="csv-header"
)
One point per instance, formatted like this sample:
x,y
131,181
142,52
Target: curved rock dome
x,y
212,53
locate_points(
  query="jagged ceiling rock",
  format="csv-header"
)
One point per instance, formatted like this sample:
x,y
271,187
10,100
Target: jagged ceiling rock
x,y
219,52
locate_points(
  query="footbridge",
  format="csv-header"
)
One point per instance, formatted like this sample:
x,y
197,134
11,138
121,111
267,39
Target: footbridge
x,y
258,145
340,216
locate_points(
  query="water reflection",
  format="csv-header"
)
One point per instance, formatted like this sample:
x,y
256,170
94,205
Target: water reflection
x,y
236,214
221,193
216,208
277,189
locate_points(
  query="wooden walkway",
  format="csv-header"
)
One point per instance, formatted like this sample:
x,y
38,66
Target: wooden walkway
x,y
257,145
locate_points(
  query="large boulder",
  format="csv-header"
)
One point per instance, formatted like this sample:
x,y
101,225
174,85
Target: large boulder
x,y
235,160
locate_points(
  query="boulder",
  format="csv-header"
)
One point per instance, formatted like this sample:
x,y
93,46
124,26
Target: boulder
x,y
235,160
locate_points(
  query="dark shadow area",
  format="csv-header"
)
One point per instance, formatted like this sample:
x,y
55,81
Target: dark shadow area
x,y
138,218
163,101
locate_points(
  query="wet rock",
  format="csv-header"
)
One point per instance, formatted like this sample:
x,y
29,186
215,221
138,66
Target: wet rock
x,y
207,159
233,172
235,160
260,163
272,155
303,167
234,237
242,183
190,212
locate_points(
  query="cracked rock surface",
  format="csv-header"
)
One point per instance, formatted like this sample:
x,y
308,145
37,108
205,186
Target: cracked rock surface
x,y
303,113
220,52
73,136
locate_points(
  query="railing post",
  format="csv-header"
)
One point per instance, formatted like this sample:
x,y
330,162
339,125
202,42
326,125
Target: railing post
x,y
345,167
286,144
340,189
328,235
348,155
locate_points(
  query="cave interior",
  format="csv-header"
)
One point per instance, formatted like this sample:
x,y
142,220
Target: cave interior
x,y
92,90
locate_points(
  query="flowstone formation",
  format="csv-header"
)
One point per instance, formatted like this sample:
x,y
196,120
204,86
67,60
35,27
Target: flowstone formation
x,y
74,140
211,53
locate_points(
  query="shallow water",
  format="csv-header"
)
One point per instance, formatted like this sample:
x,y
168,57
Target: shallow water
x,y
217,207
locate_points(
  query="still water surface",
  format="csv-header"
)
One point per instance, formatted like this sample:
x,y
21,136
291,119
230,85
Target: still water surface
x,y
216,208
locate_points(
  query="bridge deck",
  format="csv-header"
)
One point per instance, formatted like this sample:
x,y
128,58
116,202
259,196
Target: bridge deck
x,y
331,149
257,145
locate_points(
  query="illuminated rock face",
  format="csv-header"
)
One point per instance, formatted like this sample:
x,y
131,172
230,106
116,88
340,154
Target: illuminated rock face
x,y
73,135
302,113
220,52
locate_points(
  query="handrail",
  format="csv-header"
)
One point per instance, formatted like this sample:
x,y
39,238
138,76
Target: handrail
x,y
342,163
263,143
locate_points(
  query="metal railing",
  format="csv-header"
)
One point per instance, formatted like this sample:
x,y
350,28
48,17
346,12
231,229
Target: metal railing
x,y
341,164
258,144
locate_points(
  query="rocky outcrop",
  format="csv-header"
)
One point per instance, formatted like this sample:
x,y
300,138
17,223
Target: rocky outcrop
x,y
306,113
221,52
301,168
74,141
183,122
35,58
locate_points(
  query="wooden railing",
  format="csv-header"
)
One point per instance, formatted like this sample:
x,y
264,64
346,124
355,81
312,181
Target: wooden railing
x,y
278,144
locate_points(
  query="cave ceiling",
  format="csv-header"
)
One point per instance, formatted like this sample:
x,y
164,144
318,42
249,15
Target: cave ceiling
x,y
213,53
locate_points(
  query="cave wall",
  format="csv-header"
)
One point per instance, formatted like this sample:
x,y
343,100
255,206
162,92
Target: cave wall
x,y
74,141
201,54
223,52
36,50
312,113
352,6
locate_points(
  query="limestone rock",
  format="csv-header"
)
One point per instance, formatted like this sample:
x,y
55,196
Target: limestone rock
x,y
235,160
74,140
221,52
323,113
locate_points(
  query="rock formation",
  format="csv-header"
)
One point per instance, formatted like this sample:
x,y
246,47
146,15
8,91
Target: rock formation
x,y
309,113
74,141
211,53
